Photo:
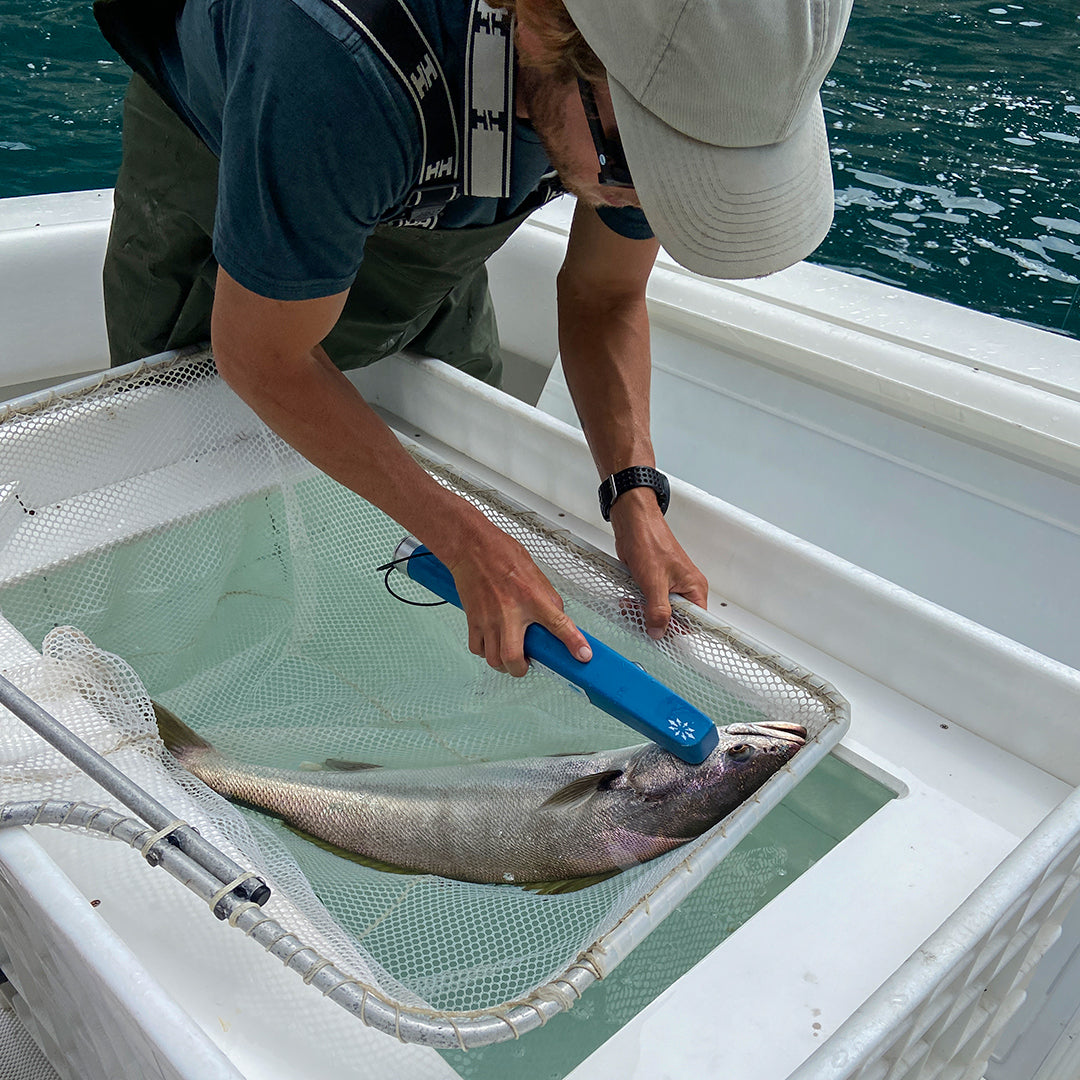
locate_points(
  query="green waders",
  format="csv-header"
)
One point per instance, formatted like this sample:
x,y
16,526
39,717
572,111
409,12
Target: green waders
x,y
425,289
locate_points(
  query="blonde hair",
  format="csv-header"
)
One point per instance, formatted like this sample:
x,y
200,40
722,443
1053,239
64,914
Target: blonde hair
x,y
567,54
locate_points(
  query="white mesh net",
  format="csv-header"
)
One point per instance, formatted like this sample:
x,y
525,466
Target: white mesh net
x,y
20,1056
156,515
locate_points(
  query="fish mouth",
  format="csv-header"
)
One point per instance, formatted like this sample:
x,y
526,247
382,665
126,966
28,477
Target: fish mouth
x,y
777,730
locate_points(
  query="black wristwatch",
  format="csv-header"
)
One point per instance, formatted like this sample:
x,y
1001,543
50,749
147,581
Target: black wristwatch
x,y
635,476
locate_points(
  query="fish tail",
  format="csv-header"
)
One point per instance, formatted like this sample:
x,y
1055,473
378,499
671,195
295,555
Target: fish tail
x,y
180,740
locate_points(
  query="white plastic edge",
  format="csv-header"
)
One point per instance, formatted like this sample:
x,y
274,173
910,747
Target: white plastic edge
x,y
172,1032
935,964
1001,384
52,248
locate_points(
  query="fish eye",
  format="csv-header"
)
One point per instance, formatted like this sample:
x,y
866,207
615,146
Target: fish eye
x,y
740,752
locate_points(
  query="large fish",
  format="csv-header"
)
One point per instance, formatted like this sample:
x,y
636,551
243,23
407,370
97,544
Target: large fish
x,y
541,819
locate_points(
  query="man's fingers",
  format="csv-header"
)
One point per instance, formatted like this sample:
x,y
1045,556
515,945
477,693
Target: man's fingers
x,y
506,652
562,626
476,641
657,615
696,591
658,607
513,660
502,597
502,654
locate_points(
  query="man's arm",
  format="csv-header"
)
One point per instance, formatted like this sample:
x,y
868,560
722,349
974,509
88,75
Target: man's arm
x,y
604,342
268,352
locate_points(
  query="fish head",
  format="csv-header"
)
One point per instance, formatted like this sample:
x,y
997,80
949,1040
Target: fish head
x,y
671,798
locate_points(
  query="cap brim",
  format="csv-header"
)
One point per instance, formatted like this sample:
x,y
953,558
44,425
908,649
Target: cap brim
x,y
729,212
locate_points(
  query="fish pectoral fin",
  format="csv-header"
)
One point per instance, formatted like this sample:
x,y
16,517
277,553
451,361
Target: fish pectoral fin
x,y
579,790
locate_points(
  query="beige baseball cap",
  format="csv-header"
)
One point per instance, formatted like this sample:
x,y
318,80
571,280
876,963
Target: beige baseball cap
x,y
719,114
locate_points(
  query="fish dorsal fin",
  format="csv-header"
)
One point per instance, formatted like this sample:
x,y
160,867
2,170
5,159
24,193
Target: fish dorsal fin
x,y
579,790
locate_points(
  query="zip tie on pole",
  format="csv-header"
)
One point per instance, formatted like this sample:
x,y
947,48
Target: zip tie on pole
x,y
300,947
551,992
583,963
173,825
345,980
315,969
535,1008
238,911
457,1032
281,937
225,889
501,1015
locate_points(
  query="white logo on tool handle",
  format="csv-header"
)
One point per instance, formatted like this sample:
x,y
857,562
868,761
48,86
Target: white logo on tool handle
x,y
424,76
682,731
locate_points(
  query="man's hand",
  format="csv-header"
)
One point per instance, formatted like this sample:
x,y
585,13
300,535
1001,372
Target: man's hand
x,y
645,543
503,592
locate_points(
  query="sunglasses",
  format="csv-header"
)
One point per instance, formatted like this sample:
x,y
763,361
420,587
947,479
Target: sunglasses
x,y
614,172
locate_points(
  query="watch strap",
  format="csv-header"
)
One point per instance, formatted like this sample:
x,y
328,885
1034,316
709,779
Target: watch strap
x,y
636,476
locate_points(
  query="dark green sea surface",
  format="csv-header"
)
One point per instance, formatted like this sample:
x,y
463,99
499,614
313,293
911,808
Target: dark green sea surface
x,y
955,131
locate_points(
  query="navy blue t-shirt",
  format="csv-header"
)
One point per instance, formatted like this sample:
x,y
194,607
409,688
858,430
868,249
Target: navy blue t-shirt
x,y
318,141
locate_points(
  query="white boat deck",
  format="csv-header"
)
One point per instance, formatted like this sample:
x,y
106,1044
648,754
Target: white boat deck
x,y
974,730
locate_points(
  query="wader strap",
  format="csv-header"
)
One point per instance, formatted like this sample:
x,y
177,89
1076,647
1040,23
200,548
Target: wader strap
x,y
396,37
487,98
489,101
137,29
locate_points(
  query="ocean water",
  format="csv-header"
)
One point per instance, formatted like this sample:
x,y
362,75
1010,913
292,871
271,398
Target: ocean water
x,y
955,130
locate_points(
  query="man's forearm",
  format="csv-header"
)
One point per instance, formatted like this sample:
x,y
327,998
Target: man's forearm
x,y
605,358
265,350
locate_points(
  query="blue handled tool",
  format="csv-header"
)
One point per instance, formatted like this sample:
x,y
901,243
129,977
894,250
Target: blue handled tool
x,y
610,681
